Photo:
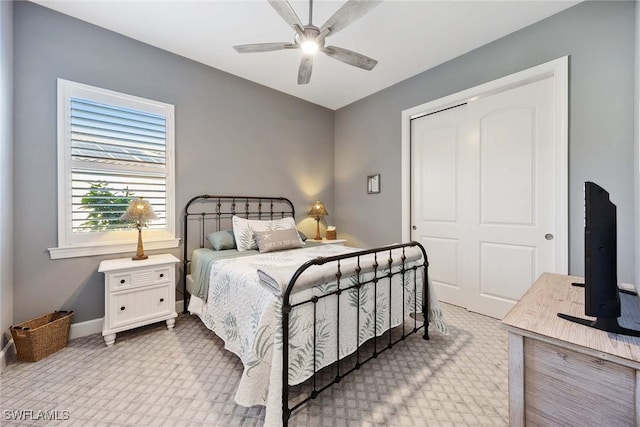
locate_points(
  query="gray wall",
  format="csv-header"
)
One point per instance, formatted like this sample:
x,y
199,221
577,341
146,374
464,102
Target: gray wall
x,y
232,137
6,170
598,36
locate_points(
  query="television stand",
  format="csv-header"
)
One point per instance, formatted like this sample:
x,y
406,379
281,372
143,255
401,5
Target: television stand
x,y
602,323
566,375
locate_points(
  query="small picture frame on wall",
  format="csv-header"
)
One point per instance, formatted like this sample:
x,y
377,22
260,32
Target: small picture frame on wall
x,y
373,184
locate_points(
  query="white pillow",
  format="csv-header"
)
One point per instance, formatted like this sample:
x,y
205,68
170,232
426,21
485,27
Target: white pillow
x,y
243,230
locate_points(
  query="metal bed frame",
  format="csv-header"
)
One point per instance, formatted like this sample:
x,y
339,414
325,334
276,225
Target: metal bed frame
x,y
220,209
217,211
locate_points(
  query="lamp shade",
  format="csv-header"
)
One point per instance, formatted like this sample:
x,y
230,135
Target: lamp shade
x,y
318,210
140,211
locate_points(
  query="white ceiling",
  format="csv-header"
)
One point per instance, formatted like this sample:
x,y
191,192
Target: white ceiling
x,y
406,37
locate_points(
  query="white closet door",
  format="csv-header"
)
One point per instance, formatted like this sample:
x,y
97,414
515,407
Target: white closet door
x,y
438,145
484,196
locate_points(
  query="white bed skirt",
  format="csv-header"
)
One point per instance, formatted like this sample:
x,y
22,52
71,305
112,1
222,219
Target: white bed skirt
x,y
195,304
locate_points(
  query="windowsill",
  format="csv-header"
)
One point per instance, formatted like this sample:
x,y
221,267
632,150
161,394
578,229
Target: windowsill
x,y
110,248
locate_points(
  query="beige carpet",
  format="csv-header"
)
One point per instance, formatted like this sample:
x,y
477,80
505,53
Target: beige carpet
x,y
184,377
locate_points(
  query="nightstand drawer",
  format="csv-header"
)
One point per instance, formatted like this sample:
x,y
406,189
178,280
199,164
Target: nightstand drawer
x,y
163,275
136,306
135,279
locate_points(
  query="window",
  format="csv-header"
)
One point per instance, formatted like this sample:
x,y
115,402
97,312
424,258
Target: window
x,y
112,147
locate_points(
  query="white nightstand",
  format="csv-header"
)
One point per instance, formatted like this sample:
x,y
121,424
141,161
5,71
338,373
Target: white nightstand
x,y
340,242
138,293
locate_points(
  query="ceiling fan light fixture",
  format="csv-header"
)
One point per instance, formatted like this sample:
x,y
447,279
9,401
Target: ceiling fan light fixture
x,y
311,39
309,47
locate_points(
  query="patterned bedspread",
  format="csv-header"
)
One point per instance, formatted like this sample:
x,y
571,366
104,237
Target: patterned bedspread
x,y
246,314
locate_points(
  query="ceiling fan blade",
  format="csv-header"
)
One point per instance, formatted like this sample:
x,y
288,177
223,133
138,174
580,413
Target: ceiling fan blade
x,y
304,72
348,13
264,47
287,13
350,57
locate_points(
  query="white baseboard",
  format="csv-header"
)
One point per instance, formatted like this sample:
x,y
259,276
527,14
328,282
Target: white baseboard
x,y
82,329
7,353
90,327
628,287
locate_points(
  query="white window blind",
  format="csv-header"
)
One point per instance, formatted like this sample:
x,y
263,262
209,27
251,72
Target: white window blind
x,y
117,154
112,148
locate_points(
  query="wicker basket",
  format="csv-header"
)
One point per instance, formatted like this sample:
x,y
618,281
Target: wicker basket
x,y
331,234
40,337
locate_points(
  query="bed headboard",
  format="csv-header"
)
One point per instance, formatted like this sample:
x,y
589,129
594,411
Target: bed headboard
x,y
207,213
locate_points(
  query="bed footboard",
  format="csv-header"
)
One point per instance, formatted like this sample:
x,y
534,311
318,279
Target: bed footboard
x,y
381,268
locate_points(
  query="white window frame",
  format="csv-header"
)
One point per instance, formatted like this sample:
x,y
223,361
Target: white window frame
x,y
100,243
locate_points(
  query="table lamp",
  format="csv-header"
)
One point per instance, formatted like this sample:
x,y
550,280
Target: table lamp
x,y
318,211
139,212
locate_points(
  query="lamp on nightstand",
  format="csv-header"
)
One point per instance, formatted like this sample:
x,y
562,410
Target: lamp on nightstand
x,y
139,212
318,211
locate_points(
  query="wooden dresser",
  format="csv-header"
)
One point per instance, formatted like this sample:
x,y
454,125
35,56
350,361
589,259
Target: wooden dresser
x,y
563,373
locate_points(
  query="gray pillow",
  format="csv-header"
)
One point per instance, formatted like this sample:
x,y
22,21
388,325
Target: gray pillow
x,y
243,229
221,240
277,240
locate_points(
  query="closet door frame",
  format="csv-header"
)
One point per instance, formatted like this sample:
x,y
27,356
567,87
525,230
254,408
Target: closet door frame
x,y
558,70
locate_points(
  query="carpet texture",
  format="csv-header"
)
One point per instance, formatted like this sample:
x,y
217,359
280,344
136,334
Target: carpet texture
x,y
185,377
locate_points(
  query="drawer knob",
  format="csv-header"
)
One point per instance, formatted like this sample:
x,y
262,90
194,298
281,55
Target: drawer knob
x,y
122,308
122,281
161,299
161,274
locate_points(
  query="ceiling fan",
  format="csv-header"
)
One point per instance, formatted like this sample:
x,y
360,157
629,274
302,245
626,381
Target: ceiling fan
x,y
311,39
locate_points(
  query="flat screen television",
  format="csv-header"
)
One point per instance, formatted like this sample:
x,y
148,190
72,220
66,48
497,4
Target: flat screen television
x,y
601,296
